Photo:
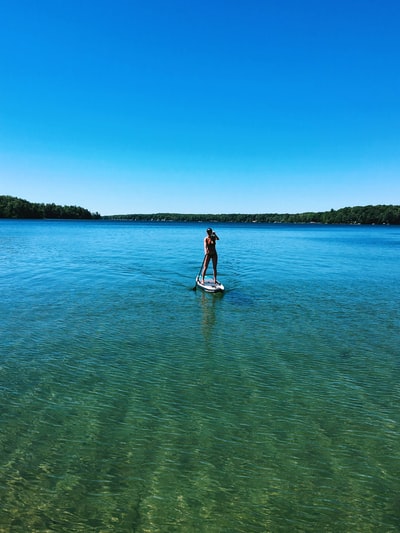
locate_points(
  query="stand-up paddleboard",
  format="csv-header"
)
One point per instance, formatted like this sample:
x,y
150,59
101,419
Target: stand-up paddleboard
x,y
209,285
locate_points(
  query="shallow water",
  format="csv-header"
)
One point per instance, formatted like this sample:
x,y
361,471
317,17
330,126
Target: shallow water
x,y
130,402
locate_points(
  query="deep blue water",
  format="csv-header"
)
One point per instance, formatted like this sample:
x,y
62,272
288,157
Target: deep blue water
x,y
130,402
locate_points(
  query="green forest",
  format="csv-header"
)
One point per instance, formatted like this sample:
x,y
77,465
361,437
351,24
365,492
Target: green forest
x,y
370,214
11,207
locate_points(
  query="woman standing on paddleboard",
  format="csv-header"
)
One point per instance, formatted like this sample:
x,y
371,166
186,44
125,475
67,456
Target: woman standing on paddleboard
x,y
210,253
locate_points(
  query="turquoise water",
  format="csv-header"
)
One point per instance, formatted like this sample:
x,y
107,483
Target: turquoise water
x,y
131,403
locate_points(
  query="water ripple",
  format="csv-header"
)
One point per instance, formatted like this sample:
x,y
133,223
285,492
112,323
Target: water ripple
x,y
131,403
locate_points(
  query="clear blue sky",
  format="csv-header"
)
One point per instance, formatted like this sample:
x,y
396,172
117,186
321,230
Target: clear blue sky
x,y
200,107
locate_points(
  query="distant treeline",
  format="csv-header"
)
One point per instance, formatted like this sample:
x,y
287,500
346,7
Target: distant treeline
x,y
370,214
11,207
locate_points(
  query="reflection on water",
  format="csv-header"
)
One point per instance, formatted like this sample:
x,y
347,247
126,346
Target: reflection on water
x,y
208,320
130,402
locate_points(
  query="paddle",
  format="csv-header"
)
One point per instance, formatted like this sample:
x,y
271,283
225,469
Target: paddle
x,y
198,275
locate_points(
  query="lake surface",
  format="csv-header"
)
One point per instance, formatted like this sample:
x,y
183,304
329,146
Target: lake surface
x,y
131,403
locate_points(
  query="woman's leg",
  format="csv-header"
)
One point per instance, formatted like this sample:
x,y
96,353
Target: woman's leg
x,y
205,266
215,262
